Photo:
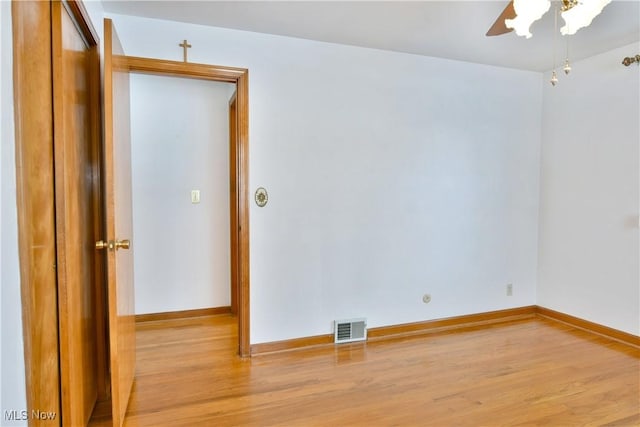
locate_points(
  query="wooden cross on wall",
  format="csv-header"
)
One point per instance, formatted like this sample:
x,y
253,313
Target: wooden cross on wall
x,y
184,45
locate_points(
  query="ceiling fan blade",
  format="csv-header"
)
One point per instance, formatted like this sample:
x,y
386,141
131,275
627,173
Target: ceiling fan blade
x,y
499,26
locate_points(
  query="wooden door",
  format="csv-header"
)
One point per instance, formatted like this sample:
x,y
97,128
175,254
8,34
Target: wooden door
x,y
76,107
117,153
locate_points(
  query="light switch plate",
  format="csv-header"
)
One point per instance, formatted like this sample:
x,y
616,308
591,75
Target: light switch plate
x,y
195,196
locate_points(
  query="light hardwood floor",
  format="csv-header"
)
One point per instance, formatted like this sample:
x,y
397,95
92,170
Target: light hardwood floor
x,y
529,372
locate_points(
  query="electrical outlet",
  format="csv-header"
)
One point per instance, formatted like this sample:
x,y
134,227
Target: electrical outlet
x,y
426,298
509,289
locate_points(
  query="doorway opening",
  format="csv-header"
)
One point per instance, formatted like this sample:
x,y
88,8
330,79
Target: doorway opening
x,y
238,170
181,139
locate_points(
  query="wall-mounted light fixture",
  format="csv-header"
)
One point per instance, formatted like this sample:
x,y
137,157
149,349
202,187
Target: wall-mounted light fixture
x,y
630,60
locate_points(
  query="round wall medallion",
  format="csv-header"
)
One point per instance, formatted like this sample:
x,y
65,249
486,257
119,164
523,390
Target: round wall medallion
x,y
261,197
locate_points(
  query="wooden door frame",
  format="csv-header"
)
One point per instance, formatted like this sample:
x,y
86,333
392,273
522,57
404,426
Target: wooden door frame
x,y
36,198
239,76
233,200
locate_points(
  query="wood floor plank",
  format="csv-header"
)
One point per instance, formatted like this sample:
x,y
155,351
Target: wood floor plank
x,y
527,372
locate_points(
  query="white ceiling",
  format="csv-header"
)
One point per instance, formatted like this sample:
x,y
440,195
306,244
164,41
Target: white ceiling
x,y
447,29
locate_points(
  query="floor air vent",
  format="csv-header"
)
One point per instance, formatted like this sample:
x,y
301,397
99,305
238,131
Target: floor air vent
x,y
350,330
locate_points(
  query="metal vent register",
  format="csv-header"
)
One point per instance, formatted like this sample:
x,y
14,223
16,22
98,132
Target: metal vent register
x,y
350,330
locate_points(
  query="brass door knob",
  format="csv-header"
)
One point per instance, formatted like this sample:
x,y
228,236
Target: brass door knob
x,y
101,244
123,244
113,244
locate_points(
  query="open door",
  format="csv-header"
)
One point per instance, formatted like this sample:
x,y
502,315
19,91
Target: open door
x,y
117,165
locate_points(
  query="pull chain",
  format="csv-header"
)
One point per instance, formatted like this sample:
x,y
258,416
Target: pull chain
x,y
554,76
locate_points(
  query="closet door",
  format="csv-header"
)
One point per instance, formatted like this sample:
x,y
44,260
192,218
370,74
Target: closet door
x,y
76,106
118,240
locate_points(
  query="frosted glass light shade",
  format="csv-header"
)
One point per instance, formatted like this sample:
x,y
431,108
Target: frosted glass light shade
x,y
527,12
581,15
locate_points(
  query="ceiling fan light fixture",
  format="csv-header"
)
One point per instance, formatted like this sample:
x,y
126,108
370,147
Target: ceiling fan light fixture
x,y
527,12
568,4
581,15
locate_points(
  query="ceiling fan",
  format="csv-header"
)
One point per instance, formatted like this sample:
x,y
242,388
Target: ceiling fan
x,y
499,27
520,14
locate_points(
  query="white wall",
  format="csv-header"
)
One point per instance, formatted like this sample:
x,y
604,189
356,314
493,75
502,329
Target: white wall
x,y
390,175
12,391
180,142
590,203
